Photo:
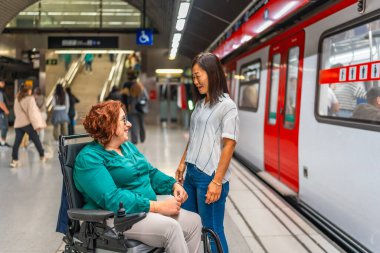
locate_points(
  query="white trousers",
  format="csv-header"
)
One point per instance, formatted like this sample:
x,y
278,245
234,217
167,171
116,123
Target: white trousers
x,y
181,233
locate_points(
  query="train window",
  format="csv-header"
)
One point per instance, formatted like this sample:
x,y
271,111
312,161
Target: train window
x,y
249,86
291,88
349,77
274,84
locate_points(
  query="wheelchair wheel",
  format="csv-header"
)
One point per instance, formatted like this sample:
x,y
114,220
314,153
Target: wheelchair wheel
x,y
206,245
207,236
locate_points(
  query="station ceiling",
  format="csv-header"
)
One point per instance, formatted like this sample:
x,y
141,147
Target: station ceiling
x,y
206,21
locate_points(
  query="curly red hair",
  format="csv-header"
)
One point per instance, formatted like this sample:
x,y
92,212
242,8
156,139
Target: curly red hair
x,y
102,120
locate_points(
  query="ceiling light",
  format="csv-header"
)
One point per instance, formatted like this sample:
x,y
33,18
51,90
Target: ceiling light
x,y
285,10
89,13
180,24
115,23
175,44
183,10
264,26
169,71
67,22
177,37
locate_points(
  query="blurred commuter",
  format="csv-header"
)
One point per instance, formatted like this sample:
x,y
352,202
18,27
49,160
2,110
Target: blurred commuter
x,y
332,102
111,170
134,63
88,59
111,57
60,118
114,94
67,60
138,96
28,120
4,112
347,95
214,130
41,104
371,110
72,112
125,95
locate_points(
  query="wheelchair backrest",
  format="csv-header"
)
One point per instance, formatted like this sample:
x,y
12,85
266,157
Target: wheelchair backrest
x,y
67,155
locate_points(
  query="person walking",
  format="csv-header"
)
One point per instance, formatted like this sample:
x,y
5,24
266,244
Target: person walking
x,y
135,113
60,117
88,58
28,120
4,112
214,130
72,101
41,104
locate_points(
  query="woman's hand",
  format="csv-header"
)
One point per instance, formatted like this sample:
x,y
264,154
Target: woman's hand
x,y
179,173
168,207
213,192
179,192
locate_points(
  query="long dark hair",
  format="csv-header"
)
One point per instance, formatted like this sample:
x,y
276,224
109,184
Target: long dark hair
x,y
60,96
217,83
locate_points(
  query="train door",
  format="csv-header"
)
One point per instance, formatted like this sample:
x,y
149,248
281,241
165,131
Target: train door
x,y
282,110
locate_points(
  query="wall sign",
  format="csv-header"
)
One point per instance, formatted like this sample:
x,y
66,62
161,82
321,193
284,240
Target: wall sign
x,y
75,42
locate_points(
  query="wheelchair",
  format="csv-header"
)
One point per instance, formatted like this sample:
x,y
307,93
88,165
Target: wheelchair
x,y
87,230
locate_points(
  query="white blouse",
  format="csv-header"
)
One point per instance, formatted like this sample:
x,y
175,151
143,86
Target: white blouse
x,y
208,127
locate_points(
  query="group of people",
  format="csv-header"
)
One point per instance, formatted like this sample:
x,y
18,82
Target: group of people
x,y
64,114
30,117
134,99
110,169
351,100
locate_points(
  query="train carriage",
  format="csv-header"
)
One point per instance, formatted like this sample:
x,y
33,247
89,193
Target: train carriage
x,y
298,92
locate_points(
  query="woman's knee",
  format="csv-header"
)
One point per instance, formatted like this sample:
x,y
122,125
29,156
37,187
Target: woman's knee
x,y
190,222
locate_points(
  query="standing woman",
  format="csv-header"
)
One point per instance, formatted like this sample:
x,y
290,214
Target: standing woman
x,y
135,114
72,101
28,120
214,129
41,104
60,117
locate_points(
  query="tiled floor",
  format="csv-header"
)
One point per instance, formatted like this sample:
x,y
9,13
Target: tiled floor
x,y
256,219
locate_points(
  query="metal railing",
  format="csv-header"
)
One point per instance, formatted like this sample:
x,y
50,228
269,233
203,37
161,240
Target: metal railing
x,y
65,81
114,76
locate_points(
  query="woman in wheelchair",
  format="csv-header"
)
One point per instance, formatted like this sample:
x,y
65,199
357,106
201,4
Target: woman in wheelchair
x,y
111,170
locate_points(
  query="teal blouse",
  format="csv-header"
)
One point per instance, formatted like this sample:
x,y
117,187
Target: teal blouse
x,y
105,178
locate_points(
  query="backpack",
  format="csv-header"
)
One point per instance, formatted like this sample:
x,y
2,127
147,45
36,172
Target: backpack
x,y
142,103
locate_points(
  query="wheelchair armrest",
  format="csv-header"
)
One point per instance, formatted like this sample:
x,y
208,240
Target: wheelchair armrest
x,y
89,215
124,223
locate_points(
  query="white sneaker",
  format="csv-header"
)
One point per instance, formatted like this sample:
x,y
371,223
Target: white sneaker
x,y
15,163
43,159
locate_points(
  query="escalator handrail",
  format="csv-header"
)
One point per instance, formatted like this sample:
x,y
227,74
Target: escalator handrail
x,y
65,81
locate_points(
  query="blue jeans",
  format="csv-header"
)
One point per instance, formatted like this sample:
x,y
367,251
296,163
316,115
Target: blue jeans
x,y
3,125
212,215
